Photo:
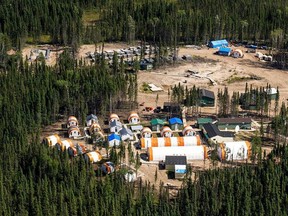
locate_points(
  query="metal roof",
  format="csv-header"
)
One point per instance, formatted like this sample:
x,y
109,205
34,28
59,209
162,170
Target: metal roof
x,y
125,131
234,120
175,121
157,122
115,124
91,116
114,136
136,127
204,120
207,93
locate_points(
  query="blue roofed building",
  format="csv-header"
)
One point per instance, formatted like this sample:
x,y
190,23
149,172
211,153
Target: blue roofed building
x,y
175,123
114,140
218,43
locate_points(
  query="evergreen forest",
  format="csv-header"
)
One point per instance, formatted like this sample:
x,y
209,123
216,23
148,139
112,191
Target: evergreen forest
x,y
36,180
165,22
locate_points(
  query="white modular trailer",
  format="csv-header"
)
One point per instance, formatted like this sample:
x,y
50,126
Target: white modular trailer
x,y
170,141
93,156
238,150
191,152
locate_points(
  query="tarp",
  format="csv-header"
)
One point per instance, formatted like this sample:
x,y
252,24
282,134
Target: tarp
x,y
218,43
154,88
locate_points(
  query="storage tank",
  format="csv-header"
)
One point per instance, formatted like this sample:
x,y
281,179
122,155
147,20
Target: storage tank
x,y
188,131
146,132
239,150
64,145
79,149
93,156
114,117
191,152
133,118
107,167
166,132
170,141
72,121
51,140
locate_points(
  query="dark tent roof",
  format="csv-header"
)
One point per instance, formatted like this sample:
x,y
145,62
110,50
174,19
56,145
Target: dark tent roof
x,y
175,160
212,131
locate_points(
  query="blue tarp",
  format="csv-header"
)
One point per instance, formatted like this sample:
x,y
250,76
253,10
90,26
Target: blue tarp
x,y
218,43
175,121
113,136
224,51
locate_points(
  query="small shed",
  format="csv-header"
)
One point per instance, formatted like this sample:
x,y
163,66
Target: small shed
x,y
234,123
218,43
214,135
146,66
156,124
224,51
90,119
188,131
201,121
175,123
74,132
114,117
166,132
146,132
126,134
176,164
114,140
133,118
72,121
207,98
115,126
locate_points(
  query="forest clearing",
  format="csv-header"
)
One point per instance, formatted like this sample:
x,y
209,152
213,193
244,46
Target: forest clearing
x,y
133,107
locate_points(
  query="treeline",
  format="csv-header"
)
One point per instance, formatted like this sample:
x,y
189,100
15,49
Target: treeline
x,y
166,22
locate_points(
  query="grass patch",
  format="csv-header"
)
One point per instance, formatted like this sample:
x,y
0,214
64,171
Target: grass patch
x,y
43,39
237,79
90,16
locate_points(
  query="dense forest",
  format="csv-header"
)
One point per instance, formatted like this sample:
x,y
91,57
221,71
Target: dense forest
x,y
166,22
36,180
